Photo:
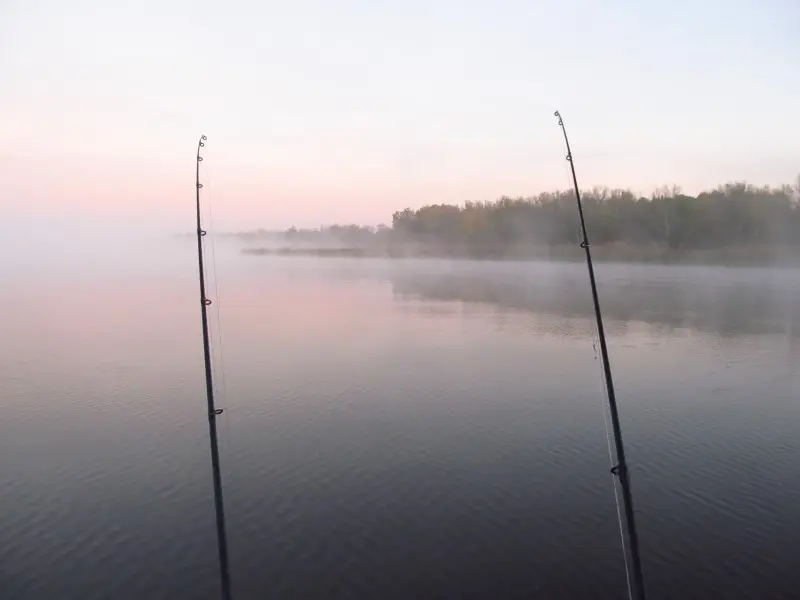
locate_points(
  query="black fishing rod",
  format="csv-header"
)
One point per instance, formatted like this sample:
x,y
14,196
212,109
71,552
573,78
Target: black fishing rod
x,y
621,469
213,411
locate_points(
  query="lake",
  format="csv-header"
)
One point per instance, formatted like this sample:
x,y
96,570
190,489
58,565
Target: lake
x,y
398,429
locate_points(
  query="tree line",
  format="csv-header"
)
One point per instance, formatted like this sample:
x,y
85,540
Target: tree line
x,y
733,215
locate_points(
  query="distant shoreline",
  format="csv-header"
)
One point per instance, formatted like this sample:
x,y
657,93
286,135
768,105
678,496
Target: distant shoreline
x,y
732,256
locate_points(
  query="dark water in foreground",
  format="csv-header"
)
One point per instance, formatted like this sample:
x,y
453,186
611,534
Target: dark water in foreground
x,y
400,430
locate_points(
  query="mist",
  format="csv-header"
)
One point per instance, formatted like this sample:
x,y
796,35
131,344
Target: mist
x,y
48,249
382,396
394,375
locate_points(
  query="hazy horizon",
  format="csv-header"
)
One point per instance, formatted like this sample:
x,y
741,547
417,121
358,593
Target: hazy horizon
x,y
318,114
415,412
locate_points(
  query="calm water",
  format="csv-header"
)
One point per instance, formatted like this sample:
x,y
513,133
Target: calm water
x,y
398,430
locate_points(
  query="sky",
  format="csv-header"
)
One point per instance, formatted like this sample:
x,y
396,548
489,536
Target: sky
x,y
323,112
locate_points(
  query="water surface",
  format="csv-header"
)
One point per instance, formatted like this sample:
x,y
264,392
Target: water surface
x,y
398,429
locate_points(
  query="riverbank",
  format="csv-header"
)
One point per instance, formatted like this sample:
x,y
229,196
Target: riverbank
x,y
787,256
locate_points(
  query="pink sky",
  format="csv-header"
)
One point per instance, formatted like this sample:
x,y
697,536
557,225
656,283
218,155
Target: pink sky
x,y
318,114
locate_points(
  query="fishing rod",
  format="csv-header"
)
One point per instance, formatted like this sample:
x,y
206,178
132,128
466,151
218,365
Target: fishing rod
x,y
213,411
621,469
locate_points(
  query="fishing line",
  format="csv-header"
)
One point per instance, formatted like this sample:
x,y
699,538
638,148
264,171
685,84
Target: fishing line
x,y
223,389
620,470
604,410
212,411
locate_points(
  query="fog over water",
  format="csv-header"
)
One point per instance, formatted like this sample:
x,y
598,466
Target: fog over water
x,y
393,428
414,405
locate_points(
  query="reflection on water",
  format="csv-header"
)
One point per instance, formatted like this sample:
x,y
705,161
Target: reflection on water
x,y
756,303
408,429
